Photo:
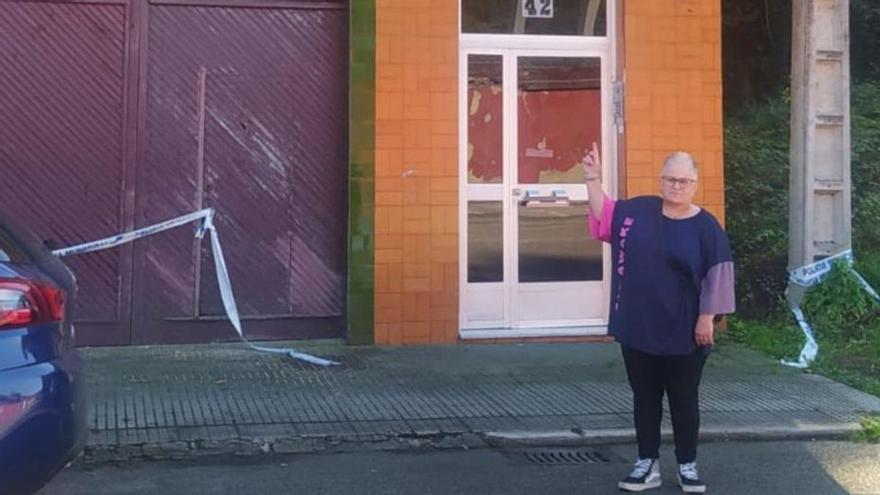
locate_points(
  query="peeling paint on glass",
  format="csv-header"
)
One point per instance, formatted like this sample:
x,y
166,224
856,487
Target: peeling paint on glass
x,y
485,119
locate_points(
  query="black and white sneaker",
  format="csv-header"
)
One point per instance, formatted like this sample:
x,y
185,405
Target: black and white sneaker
x,y
644,476
689,478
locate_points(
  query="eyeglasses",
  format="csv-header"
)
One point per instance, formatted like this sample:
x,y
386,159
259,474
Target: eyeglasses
x,y
678,181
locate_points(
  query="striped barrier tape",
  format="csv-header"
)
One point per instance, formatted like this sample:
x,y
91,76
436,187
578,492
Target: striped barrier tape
x,y
808,276
206,217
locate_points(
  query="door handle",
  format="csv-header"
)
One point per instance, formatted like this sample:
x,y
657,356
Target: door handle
x,y
557,198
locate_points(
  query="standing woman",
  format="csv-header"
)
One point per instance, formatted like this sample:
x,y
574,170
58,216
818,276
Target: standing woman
x,y
672,273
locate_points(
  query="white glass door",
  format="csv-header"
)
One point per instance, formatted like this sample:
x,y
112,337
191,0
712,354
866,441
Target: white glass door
x,y
556,269
529,266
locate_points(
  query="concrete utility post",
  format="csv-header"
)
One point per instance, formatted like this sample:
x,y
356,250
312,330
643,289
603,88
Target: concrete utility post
x,y
820,220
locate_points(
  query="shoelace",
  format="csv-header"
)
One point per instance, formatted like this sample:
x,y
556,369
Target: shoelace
x,y
689,471
641,468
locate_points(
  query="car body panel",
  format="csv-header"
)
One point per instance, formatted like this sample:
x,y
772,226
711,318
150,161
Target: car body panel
x,y
42,392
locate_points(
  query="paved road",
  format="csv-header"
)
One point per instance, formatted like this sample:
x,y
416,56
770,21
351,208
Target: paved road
x,y
804,468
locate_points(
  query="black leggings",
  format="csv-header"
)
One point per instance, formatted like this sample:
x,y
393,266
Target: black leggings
x,y
679,376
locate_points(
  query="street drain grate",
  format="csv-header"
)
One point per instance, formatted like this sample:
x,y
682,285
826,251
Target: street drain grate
x,y
564,457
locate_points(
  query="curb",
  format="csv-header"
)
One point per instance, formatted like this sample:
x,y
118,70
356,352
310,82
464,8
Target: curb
x,y
286,445
577,437
97,454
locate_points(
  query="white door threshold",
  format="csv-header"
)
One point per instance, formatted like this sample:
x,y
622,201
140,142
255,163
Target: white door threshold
x,y
515,333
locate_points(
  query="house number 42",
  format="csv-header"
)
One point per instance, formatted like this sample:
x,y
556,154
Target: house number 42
x,y
542,9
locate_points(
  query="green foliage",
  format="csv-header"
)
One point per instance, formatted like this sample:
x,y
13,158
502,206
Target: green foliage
x,y
853,363
756,55
756,177
840,306
846,321
868,266
870,429
866,167
777,337
864,25
756,43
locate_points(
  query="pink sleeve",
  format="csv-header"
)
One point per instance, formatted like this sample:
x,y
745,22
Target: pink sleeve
x,y
600,229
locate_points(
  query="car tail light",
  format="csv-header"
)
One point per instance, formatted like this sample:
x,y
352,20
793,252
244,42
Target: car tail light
x,y
24,302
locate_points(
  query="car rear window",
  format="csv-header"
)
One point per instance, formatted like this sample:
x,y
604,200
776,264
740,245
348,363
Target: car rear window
x,y
10,249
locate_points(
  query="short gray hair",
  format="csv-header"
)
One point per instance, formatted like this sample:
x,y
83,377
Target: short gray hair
x,y
681,157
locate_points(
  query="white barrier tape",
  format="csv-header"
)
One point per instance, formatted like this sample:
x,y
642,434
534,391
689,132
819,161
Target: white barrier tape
x,y
118,240
812,274
207,218
808,276
865,285
231,308
811,347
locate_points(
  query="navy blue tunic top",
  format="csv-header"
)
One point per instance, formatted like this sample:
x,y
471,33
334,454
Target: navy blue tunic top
x,y
665,274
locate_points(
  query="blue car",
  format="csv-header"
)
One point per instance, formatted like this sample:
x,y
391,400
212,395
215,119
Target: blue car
x,y
42,400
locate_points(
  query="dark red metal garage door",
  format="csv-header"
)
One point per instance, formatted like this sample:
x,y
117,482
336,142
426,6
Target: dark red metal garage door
x,y
124,114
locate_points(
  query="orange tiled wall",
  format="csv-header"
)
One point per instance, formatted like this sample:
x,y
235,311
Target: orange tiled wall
x,y
673,66
673,94
416,171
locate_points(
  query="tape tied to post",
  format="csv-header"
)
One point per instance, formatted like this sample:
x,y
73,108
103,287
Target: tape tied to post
x,y
808,276
206,216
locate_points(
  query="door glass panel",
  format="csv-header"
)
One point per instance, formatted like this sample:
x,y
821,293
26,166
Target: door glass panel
x,y
555,245
485,105
567,17
485,242
559,116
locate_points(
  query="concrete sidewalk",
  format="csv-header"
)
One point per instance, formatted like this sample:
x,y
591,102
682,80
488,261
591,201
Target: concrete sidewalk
x,y
183,401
